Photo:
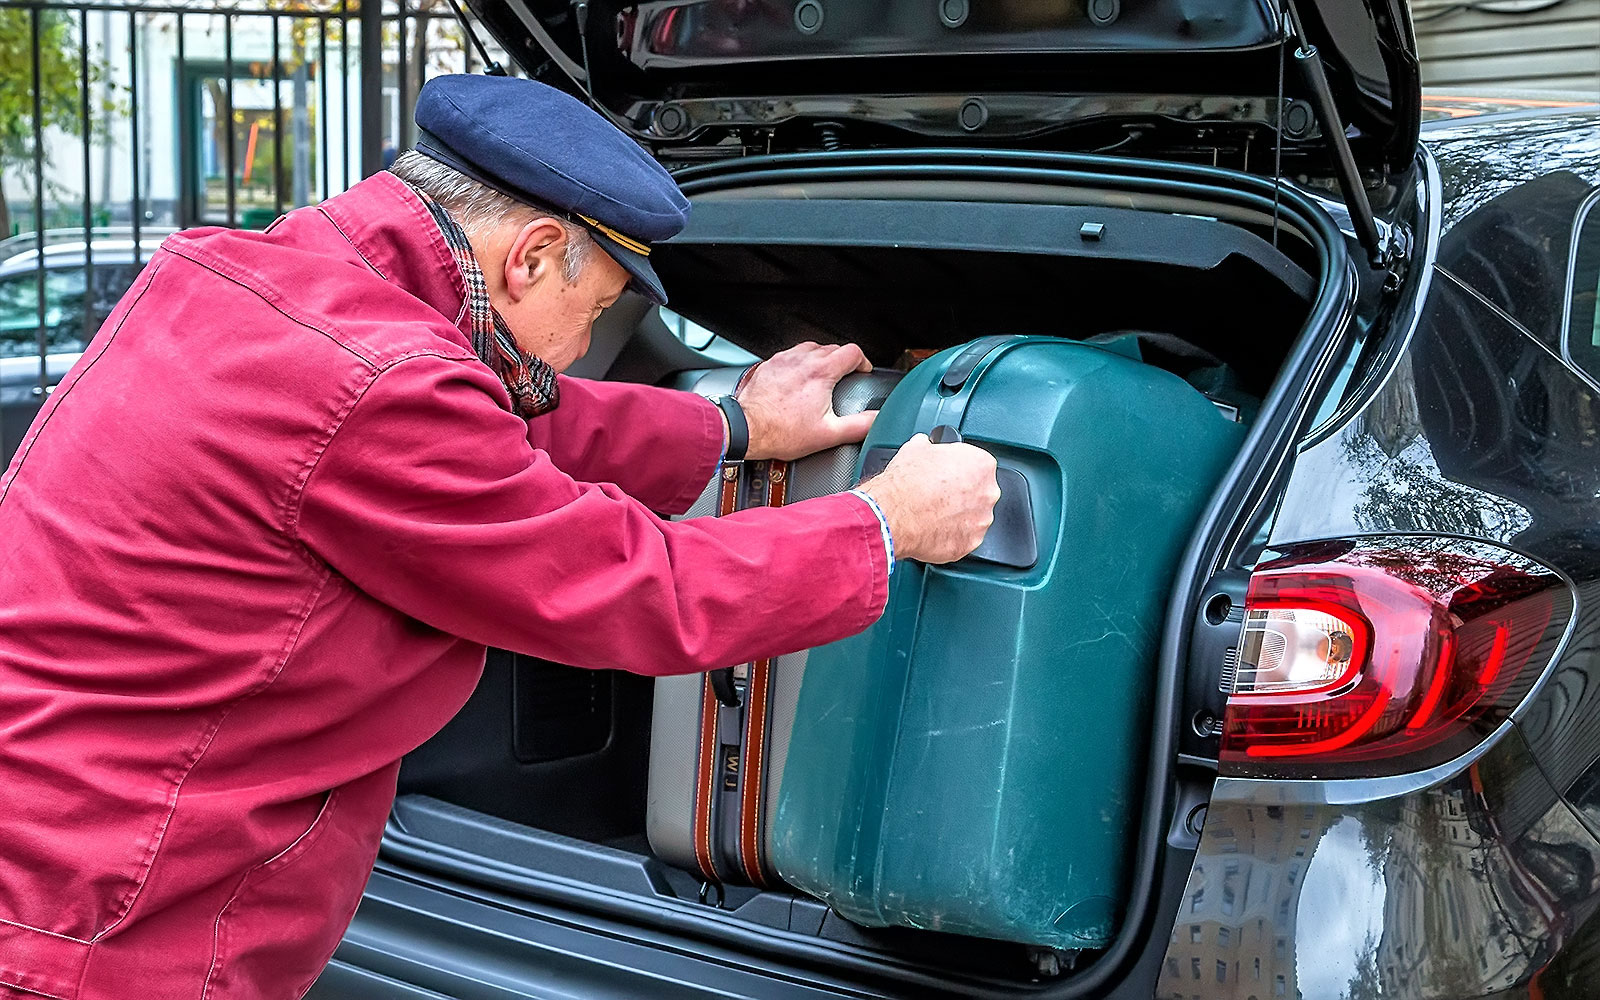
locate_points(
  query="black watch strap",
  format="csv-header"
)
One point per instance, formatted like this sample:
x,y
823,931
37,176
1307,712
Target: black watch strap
x,y
738,428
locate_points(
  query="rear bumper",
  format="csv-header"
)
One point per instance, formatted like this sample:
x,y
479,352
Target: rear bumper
x,y
418,939
421,935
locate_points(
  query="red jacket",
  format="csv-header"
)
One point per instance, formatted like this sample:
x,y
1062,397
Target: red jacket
x,y
253,550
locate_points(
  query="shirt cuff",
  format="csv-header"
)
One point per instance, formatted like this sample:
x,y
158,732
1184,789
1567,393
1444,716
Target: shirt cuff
x,y
883,527
693,484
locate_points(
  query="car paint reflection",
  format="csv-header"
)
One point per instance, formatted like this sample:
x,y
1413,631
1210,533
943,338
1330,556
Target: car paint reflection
x,y
1467,888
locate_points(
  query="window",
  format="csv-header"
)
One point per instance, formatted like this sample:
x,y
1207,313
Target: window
x,y
692,334
1222,971
234,148
1224,937
1279,986
63,312
1194,966
703,341
1582,338
1194,933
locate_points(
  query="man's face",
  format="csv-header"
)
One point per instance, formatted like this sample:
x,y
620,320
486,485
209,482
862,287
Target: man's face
x,y
549,316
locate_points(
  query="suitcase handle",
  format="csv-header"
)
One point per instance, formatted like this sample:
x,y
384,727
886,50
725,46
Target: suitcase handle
x,y
722,686
1012,539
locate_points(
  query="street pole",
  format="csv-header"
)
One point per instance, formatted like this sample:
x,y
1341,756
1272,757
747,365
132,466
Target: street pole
x,y
371,87
300,119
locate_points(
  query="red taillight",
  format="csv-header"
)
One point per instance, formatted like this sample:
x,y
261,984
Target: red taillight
x,y
663,34
1385,654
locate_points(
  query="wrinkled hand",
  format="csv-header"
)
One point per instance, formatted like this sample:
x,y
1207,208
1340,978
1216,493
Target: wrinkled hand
x,y
938,499
788,401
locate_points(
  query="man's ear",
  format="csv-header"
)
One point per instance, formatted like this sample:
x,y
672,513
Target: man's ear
x,y
535,255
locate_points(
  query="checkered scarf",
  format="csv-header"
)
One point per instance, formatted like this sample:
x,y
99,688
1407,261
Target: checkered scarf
x,y
530,381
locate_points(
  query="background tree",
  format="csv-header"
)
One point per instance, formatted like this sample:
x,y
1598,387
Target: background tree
x,y
437,46
59,100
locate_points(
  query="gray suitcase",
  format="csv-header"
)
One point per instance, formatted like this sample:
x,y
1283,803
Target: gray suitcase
x,y
719,741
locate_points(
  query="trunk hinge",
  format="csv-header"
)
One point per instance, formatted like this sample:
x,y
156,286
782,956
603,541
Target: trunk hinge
x,y
1380,253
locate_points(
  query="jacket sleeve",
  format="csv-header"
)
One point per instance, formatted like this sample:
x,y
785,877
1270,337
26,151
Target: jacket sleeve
x,y
429,498
661,446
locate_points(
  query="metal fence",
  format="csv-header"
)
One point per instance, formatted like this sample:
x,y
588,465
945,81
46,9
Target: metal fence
x,y
120,122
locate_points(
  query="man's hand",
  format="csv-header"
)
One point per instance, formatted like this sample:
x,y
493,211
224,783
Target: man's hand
x,y
938,498
789,401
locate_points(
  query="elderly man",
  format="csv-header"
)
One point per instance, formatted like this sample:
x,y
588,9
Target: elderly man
x,y
256,544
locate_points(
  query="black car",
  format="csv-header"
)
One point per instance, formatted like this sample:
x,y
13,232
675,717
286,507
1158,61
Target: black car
x,y
1420,479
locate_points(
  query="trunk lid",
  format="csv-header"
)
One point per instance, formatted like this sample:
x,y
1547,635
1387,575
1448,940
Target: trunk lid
x,y
706,78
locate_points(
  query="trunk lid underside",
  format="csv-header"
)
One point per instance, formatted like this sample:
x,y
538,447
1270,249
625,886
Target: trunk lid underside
x,y
692,79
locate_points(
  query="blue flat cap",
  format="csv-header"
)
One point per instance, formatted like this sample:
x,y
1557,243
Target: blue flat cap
x,y
539,145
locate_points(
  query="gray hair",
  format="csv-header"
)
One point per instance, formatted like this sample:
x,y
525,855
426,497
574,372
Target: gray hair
x,y
479,209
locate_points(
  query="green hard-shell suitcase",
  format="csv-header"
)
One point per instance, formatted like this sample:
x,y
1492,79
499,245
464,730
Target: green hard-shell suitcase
x,y
973,762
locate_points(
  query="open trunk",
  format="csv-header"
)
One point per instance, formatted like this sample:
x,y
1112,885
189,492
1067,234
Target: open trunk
x,y
537,789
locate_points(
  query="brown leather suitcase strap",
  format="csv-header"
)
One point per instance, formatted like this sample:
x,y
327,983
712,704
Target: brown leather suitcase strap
x,y
752,815
731,778
735,771
711,708
704,781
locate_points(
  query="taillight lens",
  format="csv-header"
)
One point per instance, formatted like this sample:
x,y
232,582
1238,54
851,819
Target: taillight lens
x,y
1386,654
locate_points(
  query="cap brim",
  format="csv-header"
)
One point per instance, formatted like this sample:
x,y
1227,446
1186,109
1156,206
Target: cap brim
x,y
636,264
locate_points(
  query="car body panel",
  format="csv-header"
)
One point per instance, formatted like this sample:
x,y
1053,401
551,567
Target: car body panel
x,y
1512,187
1482,429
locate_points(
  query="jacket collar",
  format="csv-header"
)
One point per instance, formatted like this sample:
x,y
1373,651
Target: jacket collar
x,y
391,229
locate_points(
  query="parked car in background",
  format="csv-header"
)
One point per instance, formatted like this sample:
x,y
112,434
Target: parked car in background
x,y
82,283
150,237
